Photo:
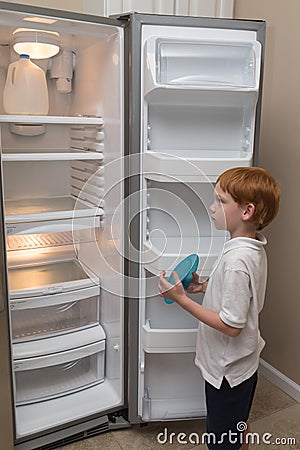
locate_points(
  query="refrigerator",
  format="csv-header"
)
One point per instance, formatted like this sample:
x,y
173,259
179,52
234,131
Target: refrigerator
x,y
99,196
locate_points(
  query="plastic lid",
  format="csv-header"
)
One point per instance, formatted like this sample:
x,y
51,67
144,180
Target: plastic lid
x,y
184,271
23,55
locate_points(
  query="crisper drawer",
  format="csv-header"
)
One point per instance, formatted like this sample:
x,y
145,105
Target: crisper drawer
x,y
50,376
54,314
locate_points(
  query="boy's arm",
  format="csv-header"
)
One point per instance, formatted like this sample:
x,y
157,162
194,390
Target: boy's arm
x,y
205,315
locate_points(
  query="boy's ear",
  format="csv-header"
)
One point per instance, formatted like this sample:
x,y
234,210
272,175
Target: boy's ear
x,y
248,212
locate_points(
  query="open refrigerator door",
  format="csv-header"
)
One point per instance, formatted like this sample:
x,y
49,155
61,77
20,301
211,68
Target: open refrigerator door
x,y
199,92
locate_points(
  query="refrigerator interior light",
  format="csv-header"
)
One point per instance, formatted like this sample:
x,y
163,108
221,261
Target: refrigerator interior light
x,y
38,44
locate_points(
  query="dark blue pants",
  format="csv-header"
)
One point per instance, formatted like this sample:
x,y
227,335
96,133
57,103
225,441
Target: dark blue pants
x,y
227,411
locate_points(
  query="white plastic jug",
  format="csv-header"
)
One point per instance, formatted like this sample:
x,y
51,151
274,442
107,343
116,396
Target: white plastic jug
x,y
25,90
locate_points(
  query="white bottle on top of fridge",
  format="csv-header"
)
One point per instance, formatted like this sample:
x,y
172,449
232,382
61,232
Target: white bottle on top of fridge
x,y
25,90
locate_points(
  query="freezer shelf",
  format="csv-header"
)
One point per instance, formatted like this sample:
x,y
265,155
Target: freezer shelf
x,y
191,165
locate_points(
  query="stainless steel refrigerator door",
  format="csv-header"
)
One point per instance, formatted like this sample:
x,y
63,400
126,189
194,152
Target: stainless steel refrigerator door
x,y
6,409
134,141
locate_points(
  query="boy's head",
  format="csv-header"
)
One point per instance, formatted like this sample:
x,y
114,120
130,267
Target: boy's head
x,y
253,185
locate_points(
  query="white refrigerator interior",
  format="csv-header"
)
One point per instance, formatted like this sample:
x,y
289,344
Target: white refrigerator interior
x,y
62,183
199,93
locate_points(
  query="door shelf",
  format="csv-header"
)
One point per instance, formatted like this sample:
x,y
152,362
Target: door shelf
x,y
168,340
82,120
161,254
173,409
204,63
173,387
192,165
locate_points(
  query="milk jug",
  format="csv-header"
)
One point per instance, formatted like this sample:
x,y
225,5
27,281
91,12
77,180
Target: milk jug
x,y
25,90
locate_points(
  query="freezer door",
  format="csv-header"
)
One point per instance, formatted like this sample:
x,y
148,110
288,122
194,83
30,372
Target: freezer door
x,y
193,106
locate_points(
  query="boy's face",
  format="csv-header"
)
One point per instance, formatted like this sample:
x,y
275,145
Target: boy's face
x,y
225,212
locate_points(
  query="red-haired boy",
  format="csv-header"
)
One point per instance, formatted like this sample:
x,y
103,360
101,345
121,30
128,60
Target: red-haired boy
x,y
246,199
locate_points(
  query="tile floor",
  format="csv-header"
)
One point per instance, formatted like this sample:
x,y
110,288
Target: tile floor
x,y
273,412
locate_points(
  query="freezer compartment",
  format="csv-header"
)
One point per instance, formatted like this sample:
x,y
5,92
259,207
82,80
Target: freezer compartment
x,y
50,376
173,388
208,63
54,314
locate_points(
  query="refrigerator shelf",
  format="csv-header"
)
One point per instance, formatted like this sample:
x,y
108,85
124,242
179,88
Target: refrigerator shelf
x,y
164,254
33,241
168,340
54,156
51,345
191,165
40,416
57,214
68,120
44,279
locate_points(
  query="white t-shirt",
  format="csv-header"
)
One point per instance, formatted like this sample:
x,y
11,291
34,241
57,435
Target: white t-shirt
x,y
236,290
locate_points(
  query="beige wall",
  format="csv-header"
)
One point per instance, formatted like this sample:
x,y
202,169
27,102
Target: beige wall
x,y
280,153
87,6
70,5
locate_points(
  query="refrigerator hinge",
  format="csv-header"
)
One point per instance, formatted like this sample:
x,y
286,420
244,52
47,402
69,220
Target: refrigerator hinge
x,y
117,421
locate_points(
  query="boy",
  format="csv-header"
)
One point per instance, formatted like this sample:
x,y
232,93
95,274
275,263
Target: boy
x,y
229,343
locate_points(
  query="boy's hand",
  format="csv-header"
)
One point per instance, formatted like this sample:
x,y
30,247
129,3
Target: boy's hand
x,y
171,291
196,285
